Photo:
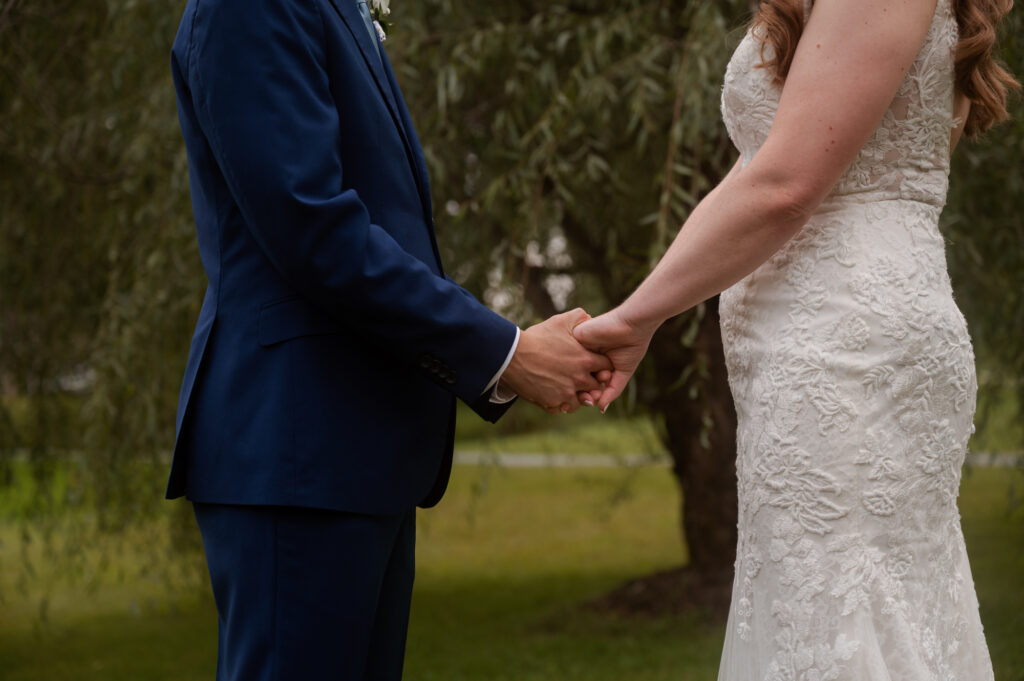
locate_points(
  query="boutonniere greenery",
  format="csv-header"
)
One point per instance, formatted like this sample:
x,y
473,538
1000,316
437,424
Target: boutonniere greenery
x,y
380,10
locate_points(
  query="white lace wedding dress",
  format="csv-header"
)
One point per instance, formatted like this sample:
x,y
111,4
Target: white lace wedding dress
x,y
854,382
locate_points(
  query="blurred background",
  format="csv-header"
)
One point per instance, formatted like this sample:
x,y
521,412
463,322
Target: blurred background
x,y
567,141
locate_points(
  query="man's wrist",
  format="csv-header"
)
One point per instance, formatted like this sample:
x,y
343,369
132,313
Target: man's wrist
x,y
500,393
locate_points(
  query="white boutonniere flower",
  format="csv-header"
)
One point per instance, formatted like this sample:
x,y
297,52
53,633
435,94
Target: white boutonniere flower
x,y
380,10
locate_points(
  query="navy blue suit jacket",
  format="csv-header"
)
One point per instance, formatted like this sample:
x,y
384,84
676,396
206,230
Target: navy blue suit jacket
x,y
331,345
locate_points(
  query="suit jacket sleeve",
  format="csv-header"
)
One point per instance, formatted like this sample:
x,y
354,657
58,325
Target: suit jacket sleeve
x,y
263,98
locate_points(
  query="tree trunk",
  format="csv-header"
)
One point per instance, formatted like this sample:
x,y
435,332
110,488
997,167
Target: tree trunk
x,y
700,422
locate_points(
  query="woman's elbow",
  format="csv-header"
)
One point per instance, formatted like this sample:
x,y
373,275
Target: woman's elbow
x,y
790,202
795,200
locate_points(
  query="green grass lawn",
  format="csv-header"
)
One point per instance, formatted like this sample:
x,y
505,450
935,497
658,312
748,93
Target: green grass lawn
x,y
504,563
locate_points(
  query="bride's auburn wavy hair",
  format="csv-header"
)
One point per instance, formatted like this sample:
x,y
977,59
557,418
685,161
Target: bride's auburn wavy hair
x,y
979,75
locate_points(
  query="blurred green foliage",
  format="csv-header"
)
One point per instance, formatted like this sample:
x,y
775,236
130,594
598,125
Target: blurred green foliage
x,y
984,222
98,272
99,279
592,121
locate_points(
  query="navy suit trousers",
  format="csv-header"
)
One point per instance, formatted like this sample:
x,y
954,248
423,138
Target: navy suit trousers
x,y
309,595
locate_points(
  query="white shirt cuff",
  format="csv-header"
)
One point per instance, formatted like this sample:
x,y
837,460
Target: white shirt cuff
x,y
498,395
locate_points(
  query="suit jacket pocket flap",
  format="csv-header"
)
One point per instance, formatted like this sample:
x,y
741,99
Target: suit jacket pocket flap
x,y
293,318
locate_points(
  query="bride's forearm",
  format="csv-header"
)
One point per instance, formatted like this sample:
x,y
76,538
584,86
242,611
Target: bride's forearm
x,y
748,217
839,87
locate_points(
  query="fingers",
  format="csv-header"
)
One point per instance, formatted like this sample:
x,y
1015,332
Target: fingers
x,y
582,398
615,387
598,363
558,374
582,333
588,335
594,334
574,318
567,396
590,398
566,408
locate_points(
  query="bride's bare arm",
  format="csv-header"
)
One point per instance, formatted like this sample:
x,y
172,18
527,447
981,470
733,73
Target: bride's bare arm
x,y
850,62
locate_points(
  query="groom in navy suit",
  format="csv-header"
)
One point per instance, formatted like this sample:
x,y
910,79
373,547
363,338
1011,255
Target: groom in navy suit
x,y
318,404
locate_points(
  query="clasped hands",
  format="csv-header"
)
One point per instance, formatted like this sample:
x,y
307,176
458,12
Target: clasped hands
x,y
571,360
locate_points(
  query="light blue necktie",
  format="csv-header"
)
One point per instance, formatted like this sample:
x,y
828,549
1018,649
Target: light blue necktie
x,y
364,11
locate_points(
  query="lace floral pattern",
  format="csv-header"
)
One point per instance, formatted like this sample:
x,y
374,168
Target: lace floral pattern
x,y
854,381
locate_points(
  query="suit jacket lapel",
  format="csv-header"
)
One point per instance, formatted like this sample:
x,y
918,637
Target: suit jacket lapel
x,y
384,77
419,163
349,14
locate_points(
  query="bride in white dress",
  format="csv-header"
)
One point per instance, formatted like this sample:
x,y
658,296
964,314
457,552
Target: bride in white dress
x,y
850,364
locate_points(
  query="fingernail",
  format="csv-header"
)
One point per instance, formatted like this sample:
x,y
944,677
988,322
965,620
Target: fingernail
x,y
587,402
604,409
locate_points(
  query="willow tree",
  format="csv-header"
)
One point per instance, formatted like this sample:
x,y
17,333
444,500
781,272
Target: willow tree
x,y
99,281
593,124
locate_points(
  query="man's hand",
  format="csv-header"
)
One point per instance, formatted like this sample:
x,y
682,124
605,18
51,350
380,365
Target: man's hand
x,y
552,370
623,343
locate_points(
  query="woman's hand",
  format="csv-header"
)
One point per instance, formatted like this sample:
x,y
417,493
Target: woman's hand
x,y
624,343
553,370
